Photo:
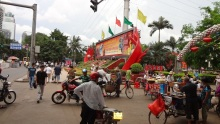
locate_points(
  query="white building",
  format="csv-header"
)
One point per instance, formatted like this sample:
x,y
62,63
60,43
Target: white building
x,y
9,24
2,11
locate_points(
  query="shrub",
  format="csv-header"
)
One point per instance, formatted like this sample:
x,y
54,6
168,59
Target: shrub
x,y
136,68
121,65
123,73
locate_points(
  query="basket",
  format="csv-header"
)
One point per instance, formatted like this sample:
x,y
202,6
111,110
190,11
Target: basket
x,y
109,88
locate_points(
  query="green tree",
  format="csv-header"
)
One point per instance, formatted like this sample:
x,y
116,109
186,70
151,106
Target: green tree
x,y
172,43
75,47
159,25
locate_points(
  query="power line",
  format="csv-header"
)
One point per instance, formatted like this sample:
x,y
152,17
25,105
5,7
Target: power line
x,y
187,5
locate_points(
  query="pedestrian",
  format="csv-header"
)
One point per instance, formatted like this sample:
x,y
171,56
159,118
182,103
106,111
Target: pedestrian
x,y
31,74
92,98
103,79
190,90
48,70
206,98
57,72
170,80
40,82
118,82
128,75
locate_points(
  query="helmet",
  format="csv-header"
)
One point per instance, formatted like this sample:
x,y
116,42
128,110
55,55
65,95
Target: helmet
x,y
84,70
94,76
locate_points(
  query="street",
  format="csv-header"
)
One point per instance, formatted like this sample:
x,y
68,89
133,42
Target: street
x,y
25,110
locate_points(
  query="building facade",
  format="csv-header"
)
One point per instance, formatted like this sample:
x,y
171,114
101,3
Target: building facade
x,y
9,24
1,17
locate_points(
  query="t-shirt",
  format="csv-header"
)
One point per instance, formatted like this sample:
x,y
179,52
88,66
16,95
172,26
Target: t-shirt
x,y
84,78
41,76
102,73
48,70
32,71
57,70
190,90
204,91
128,75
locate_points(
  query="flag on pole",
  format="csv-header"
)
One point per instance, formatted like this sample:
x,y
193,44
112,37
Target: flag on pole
x,y
103,34
118,22
127,22
110,31
141,17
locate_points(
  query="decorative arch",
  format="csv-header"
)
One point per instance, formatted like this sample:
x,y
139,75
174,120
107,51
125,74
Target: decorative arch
x,y
199,37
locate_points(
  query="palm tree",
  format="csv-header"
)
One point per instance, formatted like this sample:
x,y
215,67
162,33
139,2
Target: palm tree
x,y
75,46
159,25
172,43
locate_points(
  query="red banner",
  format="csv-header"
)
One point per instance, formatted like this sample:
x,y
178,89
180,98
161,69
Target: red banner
x,y
154,67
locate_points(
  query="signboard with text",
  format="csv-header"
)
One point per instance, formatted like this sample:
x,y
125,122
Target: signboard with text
x,y
153,67
115,46
15,46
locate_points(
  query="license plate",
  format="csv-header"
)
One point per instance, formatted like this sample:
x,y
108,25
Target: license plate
x,y
117,115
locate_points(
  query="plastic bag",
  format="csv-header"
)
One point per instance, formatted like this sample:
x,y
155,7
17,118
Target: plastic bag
x,y
168,100
214,100
157,106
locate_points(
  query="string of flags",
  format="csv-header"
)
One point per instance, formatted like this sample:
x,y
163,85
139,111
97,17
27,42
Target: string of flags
x,y
140,16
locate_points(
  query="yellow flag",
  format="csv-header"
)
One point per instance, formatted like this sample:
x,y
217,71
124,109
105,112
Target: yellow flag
x,y
103,35
142,17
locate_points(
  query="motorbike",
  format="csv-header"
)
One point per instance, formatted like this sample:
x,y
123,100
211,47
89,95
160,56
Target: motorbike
x,y
7,95
58,97
108,116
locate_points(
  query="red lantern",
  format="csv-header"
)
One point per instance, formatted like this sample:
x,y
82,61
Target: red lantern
x,y
207,39
194,49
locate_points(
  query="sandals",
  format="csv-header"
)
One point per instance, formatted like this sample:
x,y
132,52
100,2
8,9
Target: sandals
x,y
2,106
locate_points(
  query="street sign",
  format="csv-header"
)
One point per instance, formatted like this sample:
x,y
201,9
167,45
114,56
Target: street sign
x,y
15,46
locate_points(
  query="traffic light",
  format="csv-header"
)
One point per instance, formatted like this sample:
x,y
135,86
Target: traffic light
x,y
95,4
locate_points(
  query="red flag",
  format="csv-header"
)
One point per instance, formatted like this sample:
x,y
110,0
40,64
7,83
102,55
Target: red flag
x,y
118,22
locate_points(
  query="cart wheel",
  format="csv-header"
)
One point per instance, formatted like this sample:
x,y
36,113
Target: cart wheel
x,y
129,92
112,94
160,119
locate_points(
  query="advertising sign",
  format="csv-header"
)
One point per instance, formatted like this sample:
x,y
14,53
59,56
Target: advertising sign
x,y
183,65
154,67
15,46
115,46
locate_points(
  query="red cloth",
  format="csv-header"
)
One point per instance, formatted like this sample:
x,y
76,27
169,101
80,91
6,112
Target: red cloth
x,y
118,22
157,106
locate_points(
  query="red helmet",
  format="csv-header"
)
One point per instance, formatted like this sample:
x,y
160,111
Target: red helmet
x,y
94,76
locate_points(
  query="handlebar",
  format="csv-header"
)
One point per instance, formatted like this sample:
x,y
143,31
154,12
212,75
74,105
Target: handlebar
x,y
4,78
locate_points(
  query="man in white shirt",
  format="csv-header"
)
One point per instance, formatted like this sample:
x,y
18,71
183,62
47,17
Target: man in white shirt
x,y
170,79
48,70
92,99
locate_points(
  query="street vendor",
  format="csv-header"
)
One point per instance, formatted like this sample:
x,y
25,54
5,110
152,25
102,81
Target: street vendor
x,y
170,79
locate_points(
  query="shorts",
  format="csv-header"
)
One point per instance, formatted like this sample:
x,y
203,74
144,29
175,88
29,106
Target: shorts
x,y
57,77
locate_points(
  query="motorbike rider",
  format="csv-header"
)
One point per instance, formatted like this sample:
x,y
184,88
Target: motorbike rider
x,y
2,78
92,99
84,77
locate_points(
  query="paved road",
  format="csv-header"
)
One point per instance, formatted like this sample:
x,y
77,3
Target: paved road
x,y
25,110
14,73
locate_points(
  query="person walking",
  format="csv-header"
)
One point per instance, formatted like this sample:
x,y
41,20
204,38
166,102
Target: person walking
x,y
48,70
31,74
57,72
206,99
40,82
170,80
118,82
92,99
190,90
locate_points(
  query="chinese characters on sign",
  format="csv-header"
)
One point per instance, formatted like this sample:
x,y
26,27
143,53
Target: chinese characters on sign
x,y
154,67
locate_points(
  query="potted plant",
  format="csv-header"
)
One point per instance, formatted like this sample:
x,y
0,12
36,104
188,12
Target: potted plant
x,y
136,68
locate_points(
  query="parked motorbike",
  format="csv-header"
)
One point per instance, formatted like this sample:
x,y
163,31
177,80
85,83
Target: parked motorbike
x,y
7,95
108,116
60,96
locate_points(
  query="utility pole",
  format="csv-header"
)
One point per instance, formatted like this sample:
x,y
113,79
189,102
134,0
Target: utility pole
x,y
126,13
34,8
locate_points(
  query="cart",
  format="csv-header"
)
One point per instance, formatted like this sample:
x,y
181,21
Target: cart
x,y
152,88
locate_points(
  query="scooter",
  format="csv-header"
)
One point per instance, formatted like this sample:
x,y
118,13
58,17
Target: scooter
x,y
108,116
58,97
7,95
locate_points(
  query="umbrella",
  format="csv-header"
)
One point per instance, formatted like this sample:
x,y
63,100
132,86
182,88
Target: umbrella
x,y
13,58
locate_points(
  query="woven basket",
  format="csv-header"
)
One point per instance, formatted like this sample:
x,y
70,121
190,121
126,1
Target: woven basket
x,y
109,88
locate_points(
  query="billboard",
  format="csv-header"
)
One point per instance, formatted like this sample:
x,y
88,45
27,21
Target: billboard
x,y
154,67
15,46
117,45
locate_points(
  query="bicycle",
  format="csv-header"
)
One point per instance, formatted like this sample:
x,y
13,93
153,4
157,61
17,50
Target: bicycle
x,y
110,89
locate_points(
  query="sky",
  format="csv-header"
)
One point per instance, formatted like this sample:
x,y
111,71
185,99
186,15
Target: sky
x,y
75,17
